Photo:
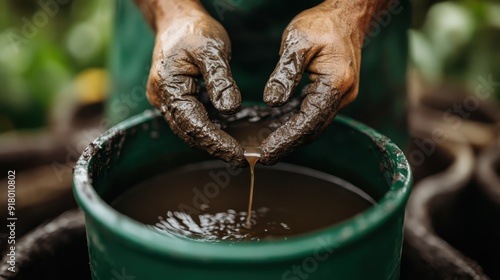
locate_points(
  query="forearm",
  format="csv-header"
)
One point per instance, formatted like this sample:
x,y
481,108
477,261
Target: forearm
x,y
162,12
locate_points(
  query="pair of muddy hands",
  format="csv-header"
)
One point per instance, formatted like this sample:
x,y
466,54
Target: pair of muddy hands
x,y
325,41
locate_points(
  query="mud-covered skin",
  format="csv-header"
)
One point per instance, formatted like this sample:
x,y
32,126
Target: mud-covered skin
x,y
190,43
325,41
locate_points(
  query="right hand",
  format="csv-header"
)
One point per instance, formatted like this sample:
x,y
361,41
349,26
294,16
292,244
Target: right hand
x,y
187,46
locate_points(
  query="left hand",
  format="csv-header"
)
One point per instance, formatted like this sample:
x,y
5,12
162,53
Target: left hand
x,y
325,41
190,44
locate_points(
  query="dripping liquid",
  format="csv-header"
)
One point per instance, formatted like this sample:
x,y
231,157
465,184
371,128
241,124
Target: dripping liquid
x,y
252,155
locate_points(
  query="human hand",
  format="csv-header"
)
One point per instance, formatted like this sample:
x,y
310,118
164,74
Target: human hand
x,y
325,41
189,44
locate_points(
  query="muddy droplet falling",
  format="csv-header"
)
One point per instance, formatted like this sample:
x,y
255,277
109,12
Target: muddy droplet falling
x,y
252,155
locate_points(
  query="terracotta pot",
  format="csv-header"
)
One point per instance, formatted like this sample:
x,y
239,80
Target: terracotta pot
x,y
56,250
484,225
43,162
453,215
471,223
70,130
427,255
458,115
488,171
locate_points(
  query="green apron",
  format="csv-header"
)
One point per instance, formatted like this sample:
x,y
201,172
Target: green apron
x,y
255,28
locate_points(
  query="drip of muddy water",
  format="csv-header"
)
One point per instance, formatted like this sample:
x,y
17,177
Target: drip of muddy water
x,y
252,154
250,135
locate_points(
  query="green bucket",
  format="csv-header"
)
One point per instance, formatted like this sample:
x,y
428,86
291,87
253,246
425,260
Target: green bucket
x,y
368,246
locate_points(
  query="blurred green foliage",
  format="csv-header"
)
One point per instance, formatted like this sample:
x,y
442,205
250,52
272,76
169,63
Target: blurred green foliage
x,y
456,42
43,44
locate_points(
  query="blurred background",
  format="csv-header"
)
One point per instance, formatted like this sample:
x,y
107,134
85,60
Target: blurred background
x,y
54,80
452,43
43,53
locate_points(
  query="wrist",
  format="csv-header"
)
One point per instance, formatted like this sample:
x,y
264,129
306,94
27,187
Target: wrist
x,y
355,15
161,13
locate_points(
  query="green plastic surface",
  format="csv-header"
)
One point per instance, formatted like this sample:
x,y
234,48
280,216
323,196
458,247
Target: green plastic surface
x,y
367,246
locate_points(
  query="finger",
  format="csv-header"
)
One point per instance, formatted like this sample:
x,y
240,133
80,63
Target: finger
x,y
288,72
214,65
317,110
188,118
342,74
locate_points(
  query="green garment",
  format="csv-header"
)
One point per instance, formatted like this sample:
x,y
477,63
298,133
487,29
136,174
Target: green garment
x,y
255,28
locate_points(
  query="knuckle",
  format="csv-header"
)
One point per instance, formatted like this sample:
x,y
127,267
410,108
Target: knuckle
x,y
297,39
344,78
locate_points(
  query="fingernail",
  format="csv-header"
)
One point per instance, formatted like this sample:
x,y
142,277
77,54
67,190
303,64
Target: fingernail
x,y
274,95
230,100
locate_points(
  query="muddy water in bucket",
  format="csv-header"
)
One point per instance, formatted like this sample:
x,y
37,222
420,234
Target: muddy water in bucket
x,y
210,201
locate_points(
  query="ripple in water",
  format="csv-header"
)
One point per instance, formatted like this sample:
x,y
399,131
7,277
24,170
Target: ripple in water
x,y
229,226
289,201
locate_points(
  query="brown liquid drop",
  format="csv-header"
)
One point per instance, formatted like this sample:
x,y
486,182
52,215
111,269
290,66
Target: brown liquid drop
x,y
252,155
250,135
206,202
